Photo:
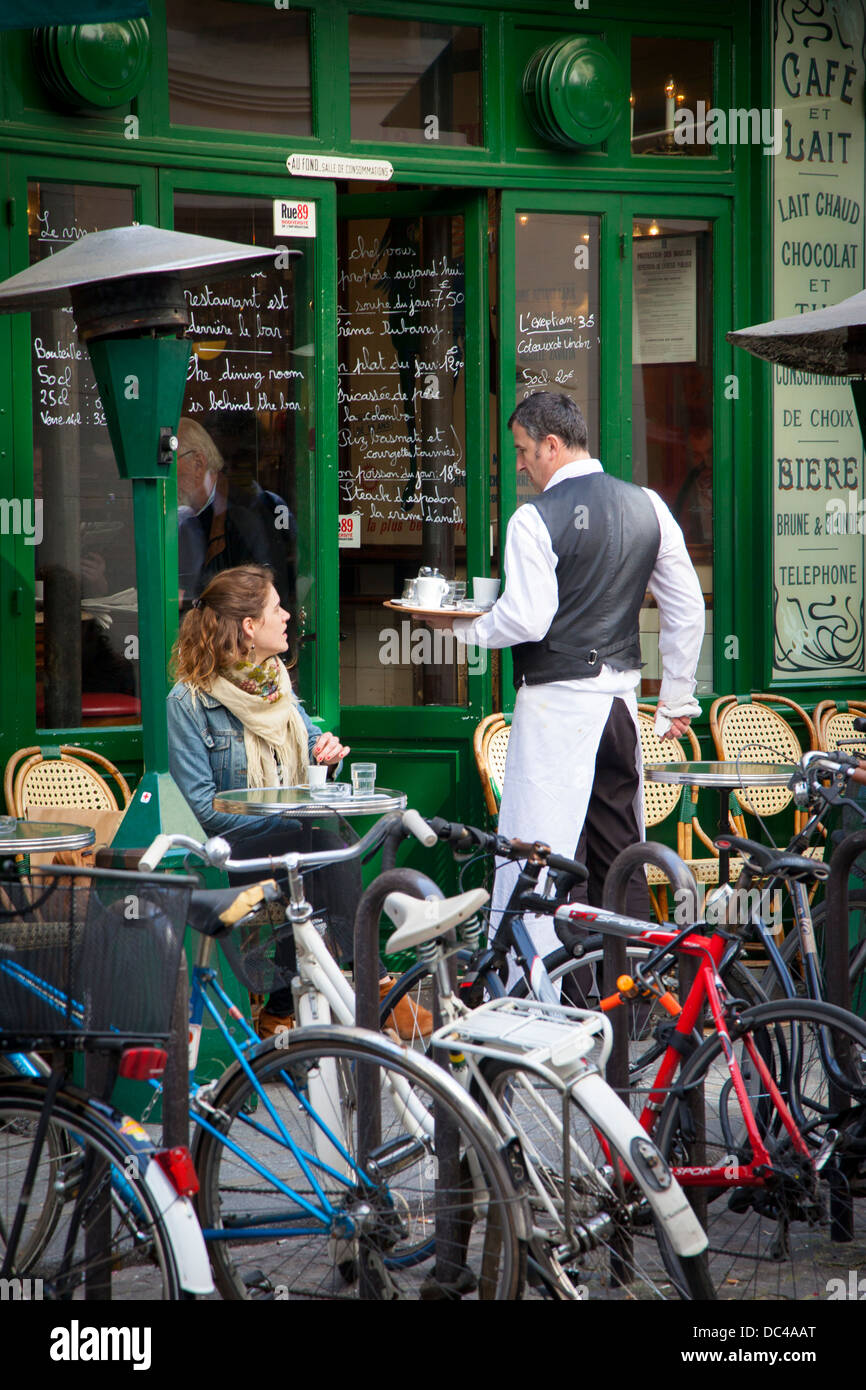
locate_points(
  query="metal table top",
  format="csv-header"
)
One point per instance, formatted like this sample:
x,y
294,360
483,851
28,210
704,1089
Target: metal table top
x,y
728,774
31,837
300,801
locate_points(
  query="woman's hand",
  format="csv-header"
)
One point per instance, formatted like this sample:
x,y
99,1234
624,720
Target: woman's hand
x,y
329,750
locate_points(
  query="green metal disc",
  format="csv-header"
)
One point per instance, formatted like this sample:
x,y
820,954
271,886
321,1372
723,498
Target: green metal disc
x,y
543,87
530,94
94,66
587,90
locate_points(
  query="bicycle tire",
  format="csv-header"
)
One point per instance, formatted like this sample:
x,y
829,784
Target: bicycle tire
x,y
790,952
42,1222
75,1172
614,1227
775,1241
402,1238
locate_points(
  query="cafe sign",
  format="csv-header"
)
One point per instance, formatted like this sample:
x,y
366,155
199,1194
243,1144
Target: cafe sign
x,y
818,515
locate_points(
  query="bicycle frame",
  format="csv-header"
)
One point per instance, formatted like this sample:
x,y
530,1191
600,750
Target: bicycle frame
x,y
708,987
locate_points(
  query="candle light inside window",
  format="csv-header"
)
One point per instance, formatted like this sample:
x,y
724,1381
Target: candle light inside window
x,y
670,103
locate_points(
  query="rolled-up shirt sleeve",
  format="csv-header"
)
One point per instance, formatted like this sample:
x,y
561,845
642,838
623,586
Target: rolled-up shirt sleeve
x,y
528,605
682,616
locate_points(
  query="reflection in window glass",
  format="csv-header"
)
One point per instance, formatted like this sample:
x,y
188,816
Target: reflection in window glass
x,y
246,439
402,435
672,399
234,66
557,315
415,82
668,75
86,601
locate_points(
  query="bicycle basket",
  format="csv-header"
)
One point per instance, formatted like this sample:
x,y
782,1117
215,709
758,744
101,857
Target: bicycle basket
x,y
87,954
261,951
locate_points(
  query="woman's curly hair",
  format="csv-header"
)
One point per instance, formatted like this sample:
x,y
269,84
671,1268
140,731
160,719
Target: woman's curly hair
x,y
211,636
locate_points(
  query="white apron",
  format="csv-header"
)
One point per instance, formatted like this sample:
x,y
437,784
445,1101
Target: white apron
x,y
555,733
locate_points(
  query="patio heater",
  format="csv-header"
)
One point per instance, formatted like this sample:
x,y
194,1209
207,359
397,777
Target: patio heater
x,y
126,287
830,341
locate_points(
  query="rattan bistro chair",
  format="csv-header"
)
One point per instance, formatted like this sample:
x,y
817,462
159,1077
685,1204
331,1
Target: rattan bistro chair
x,y
662,799
490,745
744,726
834,720
65,777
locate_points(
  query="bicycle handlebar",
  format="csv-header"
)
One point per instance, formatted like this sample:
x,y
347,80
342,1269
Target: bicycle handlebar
x,y
217,851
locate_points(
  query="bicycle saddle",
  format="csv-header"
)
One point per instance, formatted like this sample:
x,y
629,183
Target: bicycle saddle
x,y
214,911
423,919
764,861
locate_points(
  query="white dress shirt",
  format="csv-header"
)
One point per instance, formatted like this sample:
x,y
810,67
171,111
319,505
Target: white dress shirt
x,y
528,606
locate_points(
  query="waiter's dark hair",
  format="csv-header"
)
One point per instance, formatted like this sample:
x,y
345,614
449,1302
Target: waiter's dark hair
x,y
551,412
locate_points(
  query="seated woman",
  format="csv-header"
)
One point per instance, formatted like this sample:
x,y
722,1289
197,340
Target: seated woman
x,y
234,721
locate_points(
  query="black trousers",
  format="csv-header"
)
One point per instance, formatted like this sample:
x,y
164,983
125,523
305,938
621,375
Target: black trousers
x,y
611,823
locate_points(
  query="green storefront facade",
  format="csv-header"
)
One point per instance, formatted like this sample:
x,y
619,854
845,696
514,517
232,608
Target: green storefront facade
x,y
541,224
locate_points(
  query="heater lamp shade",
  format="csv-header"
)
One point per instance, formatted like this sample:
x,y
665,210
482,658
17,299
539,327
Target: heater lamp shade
x,y
829,341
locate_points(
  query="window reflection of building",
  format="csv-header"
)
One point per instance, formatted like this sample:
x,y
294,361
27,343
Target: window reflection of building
x,y
414,81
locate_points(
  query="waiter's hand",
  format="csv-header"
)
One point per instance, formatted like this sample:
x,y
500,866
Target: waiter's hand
x,y
677,729
443,620
329,750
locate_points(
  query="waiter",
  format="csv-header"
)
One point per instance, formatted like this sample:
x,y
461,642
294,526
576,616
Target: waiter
x,y
578,560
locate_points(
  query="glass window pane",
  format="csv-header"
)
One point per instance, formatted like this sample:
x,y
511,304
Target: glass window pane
x,y
402,434
234,66
557,315
670,75
246,454
86,601
672,400
415,82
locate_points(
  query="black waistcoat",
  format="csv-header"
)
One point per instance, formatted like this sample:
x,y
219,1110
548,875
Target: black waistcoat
x,y
605,535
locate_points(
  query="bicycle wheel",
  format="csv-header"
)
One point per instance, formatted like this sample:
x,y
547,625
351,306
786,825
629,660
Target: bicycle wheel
x,y
775,1241
294,1204
84,1173
790,952
613,1252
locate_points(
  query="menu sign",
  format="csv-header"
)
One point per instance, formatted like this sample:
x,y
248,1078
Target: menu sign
x,y
557,313
664,297
818,199
400,331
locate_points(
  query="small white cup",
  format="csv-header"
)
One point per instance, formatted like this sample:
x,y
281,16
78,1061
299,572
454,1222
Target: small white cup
x,y
430,591
485,590
317,775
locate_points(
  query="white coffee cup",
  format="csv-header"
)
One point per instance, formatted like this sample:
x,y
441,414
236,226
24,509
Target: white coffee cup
x,y
485,590
317,775
430,591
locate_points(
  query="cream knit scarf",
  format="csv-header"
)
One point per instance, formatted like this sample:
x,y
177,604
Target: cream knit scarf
x,y
275,737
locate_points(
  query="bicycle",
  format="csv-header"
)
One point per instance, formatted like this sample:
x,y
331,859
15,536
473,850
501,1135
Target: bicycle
x,y
747,1115
90,1206
306,1190
246,1209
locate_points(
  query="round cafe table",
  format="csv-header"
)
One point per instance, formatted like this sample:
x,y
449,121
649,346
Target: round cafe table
x,y
725,777
301,803
38,837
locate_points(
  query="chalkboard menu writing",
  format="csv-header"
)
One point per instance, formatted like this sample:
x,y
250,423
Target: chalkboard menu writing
x,y
400,394
557,313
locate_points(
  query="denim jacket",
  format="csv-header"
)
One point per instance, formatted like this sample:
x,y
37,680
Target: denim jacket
x,y
206,756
